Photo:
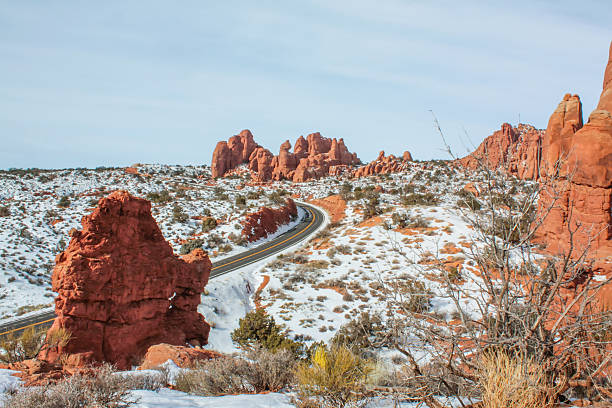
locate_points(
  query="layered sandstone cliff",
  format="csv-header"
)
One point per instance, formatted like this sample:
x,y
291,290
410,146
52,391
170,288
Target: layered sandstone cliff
x,y
121,289
313,157
579,160
517,150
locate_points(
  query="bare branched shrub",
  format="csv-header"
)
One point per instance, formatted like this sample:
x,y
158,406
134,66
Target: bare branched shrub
x,y
101,387
517,301
262,370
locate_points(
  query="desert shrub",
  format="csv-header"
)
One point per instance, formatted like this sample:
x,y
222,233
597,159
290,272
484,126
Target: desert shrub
x,y
413,295
5,212
64,202
514,381
420,199
98,388
372,206
331,252
360,333
237,239
467,199
159,197
312,266
240,200
345,191
257,328
344,249
214,241
57,338
208,224
335,377
178,215
263,370
511,228
254,195
21,346
409,221
399,219
190,245
278,196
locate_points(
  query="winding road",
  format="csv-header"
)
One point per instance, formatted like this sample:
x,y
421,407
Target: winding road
x,y
307,226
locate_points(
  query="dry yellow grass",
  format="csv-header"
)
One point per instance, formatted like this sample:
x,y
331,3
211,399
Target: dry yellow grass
x,y
514,382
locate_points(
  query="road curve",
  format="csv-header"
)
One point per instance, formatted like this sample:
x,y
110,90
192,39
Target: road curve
x,y
309,223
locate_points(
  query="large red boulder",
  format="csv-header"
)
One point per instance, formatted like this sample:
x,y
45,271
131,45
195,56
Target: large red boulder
x,y
266,221
121,289
182,356
581,191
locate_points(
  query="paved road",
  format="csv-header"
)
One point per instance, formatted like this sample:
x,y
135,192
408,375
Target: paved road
x,y
309,223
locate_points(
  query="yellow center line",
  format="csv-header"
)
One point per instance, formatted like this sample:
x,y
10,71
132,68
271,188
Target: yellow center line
x,y
314,217
25,327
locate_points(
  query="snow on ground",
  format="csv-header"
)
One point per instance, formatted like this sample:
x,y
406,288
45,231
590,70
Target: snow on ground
x,y
166,398
8,381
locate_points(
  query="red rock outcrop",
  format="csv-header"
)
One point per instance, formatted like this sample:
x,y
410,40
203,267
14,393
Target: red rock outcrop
x,y
333,205
266,221
384,165
121,289
584,184
313,157
182,356
517,150
236,151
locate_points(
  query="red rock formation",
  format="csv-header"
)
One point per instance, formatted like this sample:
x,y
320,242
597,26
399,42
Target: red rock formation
x,y
333,205
514,149
121,289
236,151
260,163
585,178
384,165
267,221
563,124
182,356
312,158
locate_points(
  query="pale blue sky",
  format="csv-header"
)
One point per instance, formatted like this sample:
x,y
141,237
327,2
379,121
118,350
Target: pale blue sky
x,y
86,83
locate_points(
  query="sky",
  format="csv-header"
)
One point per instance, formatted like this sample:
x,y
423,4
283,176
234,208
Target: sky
x,y
117,82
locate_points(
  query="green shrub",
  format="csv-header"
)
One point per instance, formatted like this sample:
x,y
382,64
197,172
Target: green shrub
x,y
159,197
420,199
258,328
240,200
189,246
178,215
467,199
64,202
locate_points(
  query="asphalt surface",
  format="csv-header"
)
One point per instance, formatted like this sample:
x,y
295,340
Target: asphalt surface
x,y
304,229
